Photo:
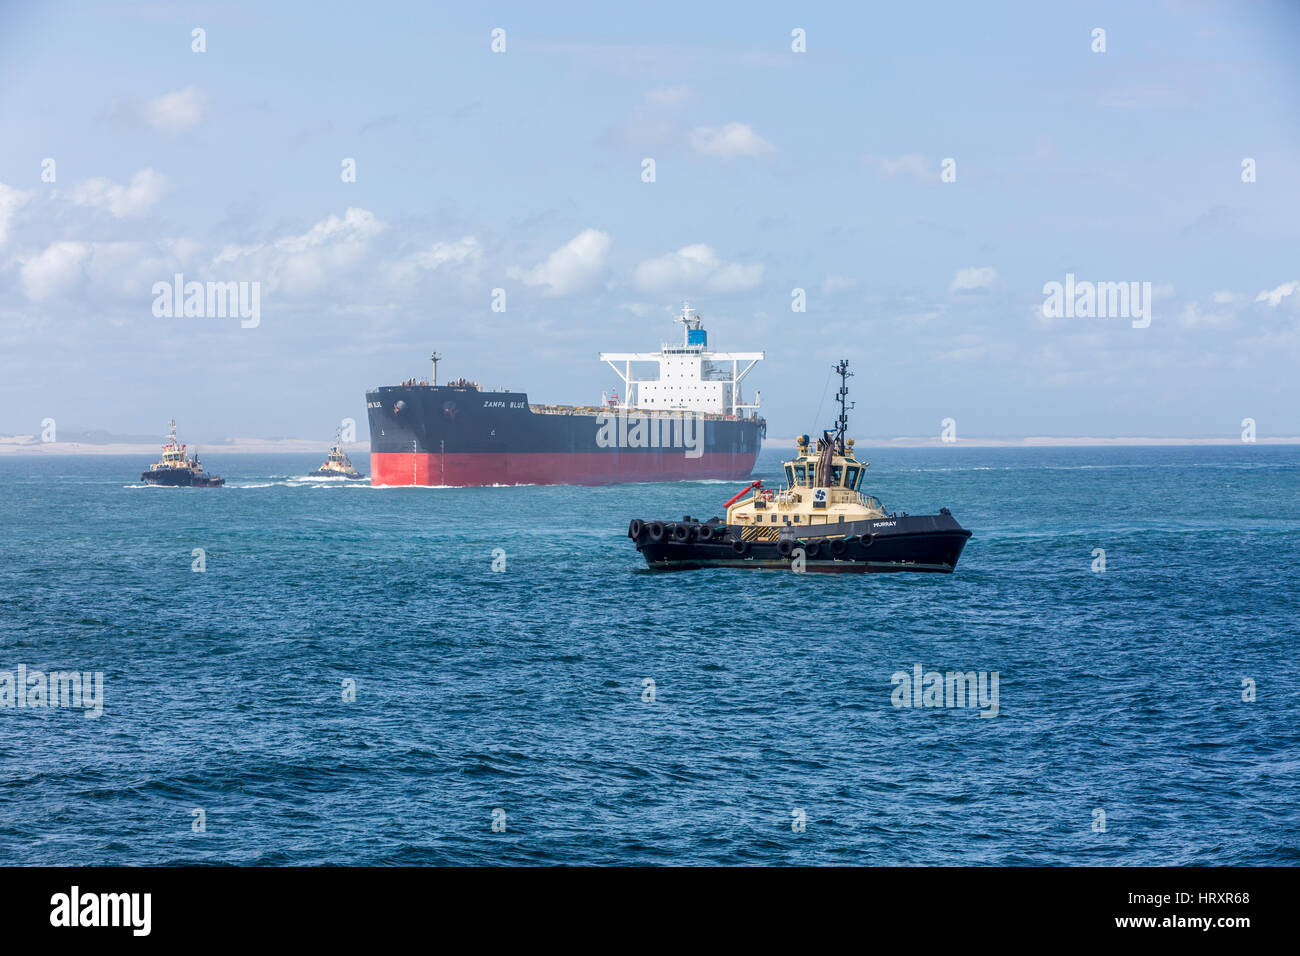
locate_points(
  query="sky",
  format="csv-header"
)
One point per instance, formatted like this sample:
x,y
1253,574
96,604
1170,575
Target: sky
x,y
775,169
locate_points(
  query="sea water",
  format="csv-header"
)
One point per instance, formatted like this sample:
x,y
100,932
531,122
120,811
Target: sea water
x,y
300,671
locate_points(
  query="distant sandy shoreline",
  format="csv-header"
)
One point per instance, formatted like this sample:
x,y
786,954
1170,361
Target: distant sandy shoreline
x,y
151,450
28,445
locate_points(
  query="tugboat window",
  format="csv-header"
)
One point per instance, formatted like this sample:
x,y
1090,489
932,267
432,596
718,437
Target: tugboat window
x,y
854,474
837,472
789,475
799,474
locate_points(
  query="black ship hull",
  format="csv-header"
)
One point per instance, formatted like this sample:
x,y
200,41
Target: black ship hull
x,y
180,478
451,435
927,543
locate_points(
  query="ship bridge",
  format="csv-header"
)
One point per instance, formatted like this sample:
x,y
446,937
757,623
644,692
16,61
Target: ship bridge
x,y
691,377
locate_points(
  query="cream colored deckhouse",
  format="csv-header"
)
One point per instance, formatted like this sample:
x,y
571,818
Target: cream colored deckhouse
x,y
822,486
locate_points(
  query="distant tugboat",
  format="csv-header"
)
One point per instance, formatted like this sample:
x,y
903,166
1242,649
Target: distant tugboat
x,y
820,521
175,469
337,464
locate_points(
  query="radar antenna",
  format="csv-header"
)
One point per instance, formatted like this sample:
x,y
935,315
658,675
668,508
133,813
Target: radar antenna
x,y
842,426
690,319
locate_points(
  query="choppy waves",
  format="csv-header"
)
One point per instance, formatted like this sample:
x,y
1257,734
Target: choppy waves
x,y
525,689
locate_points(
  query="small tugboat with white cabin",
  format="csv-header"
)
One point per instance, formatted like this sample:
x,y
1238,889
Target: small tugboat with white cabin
x,y
337,463
177,470
819,521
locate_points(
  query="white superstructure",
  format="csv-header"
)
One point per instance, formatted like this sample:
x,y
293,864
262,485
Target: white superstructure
x,y
691,378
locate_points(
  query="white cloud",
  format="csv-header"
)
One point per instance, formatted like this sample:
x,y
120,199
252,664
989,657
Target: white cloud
x,y
912,166
695,267
116,270
60,267
305,263
11,200
1193,317
175,112
733,139
974,279
465,252
441,253
145,189
572,267
1274,297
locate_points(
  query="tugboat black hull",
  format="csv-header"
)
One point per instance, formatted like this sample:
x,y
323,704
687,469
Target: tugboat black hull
x,y
930,543
180,478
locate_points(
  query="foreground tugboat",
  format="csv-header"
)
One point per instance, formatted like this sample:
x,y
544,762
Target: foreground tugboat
x,y
337,464
177,470
819,521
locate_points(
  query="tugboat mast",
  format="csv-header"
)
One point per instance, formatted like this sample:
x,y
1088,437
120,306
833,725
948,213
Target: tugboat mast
x,y
842,427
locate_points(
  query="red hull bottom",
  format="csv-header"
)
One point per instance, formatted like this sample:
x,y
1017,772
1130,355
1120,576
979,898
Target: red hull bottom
x,y
604,468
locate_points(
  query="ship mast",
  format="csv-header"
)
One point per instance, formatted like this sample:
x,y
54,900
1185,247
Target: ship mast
x,y
690,319
842,427
435,357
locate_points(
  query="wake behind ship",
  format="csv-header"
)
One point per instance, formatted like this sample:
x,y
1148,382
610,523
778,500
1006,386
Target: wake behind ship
x,y
689,423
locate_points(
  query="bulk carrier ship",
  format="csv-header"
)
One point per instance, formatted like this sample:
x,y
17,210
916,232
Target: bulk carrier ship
x,y
691,422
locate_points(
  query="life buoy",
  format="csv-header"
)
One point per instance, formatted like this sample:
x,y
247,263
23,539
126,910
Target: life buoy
x,y
767,494
635,528
655,529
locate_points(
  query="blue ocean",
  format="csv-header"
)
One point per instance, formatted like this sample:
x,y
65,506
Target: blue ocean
x,y
302,672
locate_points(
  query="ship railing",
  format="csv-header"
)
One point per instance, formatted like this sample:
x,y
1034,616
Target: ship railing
x,y
624,410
